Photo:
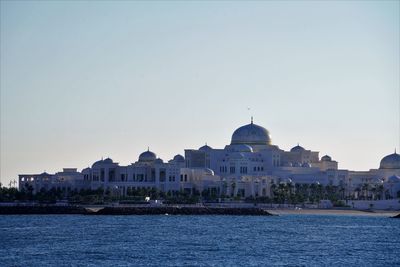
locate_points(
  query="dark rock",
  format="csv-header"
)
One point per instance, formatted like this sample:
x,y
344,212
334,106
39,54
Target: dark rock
x,y
179,211
161,210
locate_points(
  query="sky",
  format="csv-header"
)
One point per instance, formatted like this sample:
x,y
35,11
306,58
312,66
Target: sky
x,y
84,80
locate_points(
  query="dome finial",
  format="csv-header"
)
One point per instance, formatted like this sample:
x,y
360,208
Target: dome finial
x,y
148,148
395,151
251,119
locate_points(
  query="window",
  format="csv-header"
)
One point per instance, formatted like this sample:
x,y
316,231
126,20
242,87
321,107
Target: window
x,y
111,175
102,175
232,169
162,175
139,177
243,169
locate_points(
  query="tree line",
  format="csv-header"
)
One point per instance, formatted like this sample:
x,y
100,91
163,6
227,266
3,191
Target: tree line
x,y
282,193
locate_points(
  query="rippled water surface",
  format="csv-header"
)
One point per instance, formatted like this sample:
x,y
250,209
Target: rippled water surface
x,y
295,240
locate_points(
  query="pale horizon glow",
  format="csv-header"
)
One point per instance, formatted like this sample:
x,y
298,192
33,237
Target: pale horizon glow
x,y
84,80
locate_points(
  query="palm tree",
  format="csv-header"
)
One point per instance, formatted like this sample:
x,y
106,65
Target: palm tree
x,y
365,189
313,192
373,191
341,191
290,192
380,190
273,188
357,190
224,187
282,193
320,189
233,188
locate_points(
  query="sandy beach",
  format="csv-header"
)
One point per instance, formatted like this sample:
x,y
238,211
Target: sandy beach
x,y
334,212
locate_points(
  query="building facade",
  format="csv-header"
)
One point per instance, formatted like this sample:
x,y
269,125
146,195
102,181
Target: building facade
x,y
249,166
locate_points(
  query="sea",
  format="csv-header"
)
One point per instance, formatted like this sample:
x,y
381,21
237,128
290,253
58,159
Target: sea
x,y
287,240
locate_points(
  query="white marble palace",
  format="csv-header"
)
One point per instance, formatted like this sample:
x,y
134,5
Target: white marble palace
x,y
248,166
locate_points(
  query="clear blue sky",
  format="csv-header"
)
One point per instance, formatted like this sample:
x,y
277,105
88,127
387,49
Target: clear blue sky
x,y
81,80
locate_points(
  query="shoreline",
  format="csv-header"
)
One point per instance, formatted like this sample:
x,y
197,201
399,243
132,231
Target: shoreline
x,y
183,210
132,210
350,212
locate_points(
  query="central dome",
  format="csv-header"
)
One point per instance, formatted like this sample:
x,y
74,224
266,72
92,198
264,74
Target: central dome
x,y
147,156
297,148
391,161
251,134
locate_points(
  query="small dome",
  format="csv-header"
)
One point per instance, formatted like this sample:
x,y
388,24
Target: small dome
x,y
391,161
97,164
251,134
108,161
297,148
208,171
147,156
326,158
205,148
306,165
179,158
242,148
102,162
394,179
159,161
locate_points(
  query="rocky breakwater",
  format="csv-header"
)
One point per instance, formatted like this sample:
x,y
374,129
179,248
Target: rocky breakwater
x,y
131,210
176,210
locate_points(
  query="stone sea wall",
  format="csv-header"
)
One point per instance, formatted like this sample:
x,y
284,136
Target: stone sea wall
x,y
159,210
